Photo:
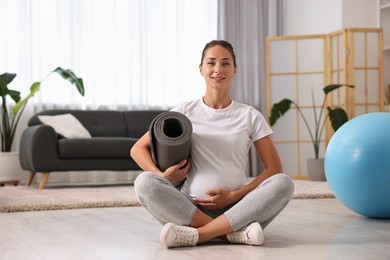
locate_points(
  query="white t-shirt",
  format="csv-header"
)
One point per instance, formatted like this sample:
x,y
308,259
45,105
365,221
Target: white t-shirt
x,y
221,140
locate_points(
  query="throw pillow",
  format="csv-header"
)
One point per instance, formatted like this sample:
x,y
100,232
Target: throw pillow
x,y
66,125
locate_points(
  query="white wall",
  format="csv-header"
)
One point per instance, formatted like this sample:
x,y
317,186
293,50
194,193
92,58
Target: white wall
x,y
313,16
325,16
359,13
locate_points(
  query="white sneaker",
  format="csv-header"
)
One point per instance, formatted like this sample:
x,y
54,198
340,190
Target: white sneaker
x,y
250,235
176,236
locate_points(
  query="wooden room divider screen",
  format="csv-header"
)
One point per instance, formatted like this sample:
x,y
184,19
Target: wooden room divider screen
x,y
298,66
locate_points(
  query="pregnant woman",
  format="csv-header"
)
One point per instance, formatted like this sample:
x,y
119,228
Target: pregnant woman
x,y
207,196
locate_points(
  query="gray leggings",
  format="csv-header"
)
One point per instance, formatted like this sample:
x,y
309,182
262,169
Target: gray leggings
x,y
169,205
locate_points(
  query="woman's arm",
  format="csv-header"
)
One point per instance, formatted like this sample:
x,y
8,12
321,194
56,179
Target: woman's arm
x,y
266,150
141,154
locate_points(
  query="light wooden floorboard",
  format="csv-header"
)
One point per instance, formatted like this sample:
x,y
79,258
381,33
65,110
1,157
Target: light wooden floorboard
x,y
306,229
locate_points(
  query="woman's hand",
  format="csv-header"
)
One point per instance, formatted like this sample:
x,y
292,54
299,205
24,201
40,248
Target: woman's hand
x,y
177,172
219,199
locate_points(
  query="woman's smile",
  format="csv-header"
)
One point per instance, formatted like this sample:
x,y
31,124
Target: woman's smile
x,y
218,78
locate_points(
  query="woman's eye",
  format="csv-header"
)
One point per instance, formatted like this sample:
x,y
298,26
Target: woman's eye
x,y
210,63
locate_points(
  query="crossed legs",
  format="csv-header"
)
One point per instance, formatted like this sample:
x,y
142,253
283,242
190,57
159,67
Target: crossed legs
x,y
161,199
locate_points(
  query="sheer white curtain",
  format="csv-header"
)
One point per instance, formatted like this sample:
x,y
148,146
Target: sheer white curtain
x,y
130,53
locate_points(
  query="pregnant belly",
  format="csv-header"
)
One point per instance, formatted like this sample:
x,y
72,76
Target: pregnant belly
x,y
197,185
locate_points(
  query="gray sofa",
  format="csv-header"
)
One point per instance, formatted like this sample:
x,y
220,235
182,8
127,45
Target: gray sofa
x,y
113,133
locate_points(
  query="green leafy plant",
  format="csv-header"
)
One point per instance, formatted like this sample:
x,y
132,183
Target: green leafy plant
x,y
337,115
10,119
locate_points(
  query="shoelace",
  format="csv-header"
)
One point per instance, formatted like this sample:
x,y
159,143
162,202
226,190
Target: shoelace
x,y
184,236
240,236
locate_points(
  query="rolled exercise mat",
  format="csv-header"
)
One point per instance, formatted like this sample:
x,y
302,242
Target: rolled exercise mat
x,y
170,137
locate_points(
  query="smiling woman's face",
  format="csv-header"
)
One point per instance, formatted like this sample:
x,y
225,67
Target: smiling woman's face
x,y
218,67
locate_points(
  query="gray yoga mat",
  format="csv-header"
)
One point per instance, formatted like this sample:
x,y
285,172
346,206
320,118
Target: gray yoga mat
x,y
170,137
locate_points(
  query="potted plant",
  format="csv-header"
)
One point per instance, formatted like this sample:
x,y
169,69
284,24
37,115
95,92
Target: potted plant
x,y
337,116
10,117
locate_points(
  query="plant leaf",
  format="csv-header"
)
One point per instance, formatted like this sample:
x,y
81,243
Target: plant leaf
x,y
279,109
69,75
332,87
15,95
33,89
337,117
6,78
4,90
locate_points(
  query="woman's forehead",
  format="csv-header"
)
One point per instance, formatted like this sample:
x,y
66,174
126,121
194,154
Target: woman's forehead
x,y
218,51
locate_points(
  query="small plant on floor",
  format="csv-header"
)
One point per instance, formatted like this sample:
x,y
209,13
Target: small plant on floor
x,y
10,119
337,115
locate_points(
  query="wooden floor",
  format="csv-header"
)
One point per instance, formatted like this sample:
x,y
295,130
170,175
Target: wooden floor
x,y
306,229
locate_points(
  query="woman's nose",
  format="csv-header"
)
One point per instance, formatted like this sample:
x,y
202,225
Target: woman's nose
x,y
218,68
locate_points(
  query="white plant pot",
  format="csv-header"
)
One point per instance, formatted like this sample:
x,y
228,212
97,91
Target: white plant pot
x,y
10,169
315,169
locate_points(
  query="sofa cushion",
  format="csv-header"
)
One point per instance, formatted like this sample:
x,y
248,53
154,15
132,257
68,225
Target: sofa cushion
x,y
138,121
66,125
103,123
97,147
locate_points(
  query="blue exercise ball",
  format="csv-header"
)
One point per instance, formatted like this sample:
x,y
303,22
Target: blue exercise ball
x,y
357,164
